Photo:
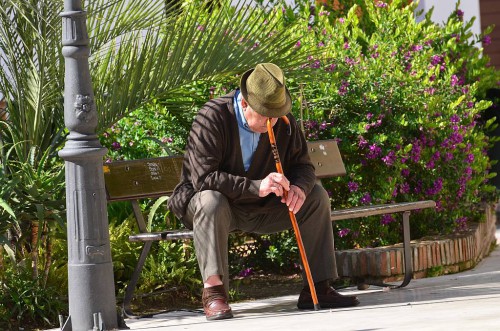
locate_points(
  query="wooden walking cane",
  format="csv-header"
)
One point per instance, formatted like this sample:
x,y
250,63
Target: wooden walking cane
x,y
295,225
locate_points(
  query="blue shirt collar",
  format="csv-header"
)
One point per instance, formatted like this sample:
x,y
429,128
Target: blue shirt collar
x,y
240,116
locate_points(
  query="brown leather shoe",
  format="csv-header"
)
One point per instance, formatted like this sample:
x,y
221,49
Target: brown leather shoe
x,y
327,298
215,303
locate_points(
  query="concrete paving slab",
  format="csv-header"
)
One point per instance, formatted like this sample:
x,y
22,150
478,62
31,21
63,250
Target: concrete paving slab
x,y
465,301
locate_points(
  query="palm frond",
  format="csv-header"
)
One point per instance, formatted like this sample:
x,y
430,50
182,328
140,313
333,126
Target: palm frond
x,y
196,43
31,71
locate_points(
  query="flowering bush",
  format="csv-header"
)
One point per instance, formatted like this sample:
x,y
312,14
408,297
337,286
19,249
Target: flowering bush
x,y
404,101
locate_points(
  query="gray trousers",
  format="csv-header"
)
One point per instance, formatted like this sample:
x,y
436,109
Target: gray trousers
x,y
213,218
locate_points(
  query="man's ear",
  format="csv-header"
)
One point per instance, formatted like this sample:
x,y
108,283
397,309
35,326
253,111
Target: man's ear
x,y
244,103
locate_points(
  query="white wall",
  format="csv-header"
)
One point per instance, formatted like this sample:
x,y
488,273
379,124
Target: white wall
x,y
443,9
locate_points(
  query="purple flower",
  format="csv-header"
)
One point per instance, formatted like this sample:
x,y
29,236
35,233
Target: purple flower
x,y
362,142
405,188
390,158
350,61
246,272
343,88
341,20
353,186
418,187
415,152
455,118
116,145
346,45
486,40
316,64
454,80
331,67
461,223
469,158
366,199
416,48
405,172
344,232
200,28
297,45
386,219
374,151
460,14
381,4
436,59
430,90
437,186
456,138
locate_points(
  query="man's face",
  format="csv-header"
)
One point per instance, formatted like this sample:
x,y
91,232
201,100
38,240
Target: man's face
x,y
256,122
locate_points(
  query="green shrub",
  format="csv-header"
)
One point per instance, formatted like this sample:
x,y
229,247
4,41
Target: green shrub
x,y
404,101
168,264
149,131
26,302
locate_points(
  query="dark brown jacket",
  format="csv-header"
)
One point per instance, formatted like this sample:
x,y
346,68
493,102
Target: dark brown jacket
x,y
213,160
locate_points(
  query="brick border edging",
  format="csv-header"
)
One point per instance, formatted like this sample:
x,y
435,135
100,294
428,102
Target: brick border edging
x,y
431,257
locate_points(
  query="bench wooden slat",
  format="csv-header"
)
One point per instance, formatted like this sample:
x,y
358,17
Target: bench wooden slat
x,y
372,210
325,156
136,179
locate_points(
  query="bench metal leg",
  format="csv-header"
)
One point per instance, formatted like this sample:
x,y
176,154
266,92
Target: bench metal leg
x,y
407,250
129,292
407,258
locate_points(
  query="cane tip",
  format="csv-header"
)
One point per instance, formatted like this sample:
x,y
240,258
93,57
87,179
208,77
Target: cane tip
x,y
317,306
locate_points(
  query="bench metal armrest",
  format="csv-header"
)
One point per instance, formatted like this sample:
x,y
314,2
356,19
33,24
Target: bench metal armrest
x,y
402,207
371,210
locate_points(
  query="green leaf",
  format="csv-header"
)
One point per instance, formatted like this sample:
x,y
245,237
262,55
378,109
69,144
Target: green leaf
x,y
7,208
154,208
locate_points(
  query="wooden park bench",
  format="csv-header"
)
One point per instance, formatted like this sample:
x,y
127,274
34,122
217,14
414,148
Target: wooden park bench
x,y
155,177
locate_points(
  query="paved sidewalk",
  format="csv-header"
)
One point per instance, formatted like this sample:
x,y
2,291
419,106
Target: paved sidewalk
x,y
465,301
